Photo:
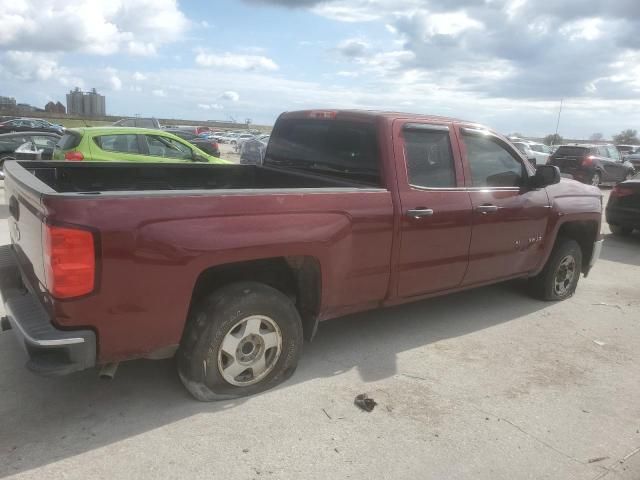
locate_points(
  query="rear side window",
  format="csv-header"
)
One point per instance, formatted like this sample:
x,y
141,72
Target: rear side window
x,y
68,141
343,149
613,153
118,143
429,158
491,164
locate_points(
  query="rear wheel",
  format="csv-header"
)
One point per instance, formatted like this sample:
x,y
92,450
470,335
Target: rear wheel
x,y
596,179
619,230
240,340
559,277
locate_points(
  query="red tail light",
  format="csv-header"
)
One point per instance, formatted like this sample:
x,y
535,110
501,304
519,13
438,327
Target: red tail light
x,y
74,156
620,191
588,161
214,144
69,261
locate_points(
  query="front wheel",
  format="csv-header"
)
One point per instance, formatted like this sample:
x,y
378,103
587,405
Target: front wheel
x,y
240,340
559,277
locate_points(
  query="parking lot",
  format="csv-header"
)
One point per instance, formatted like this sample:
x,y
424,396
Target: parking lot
x,y
486,384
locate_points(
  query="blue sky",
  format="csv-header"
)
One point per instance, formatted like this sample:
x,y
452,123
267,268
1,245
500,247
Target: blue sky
x,y
505,63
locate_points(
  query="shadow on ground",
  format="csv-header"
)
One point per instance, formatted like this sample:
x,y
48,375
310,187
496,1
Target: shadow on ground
x,y
43,420
622,248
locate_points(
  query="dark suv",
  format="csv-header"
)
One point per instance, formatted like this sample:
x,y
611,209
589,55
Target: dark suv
x,y
593,164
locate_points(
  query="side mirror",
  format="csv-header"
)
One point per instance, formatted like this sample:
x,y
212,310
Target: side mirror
x,y
545,175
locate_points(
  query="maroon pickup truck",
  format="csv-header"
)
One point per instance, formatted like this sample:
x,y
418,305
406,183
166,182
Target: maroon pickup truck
x,y
230,267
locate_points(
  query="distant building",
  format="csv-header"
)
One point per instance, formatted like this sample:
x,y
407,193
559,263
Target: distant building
x,y
25,108
7,103
55,108
88,104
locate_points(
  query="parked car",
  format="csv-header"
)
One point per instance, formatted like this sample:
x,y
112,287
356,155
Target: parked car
x,y
623,208
195,129
526,150
592,164
231,266
243,137
125,144
628,149
10,142
205,143
138,122
252,151
634,159
29,125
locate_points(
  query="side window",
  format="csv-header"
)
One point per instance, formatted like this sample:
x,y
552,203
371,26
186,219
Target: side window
x,y
168,148
118,143
613,153
491,164
44,142
429,158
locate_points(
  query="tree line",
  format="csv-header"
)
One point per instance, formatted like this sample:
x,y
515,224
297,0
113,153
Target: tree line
x,y
626,137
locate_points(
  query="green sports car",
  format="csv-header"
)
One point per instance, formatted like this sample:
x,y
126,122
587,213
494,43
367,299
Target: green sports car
x,y
124,144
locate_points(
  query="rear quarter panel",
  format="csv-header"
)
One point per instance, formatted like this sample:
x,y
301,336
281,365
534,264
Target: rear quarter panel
x,y
153,248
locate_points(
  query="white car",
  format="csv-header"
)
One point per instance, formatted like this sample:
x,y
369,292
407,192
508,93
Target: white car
x,y
535,152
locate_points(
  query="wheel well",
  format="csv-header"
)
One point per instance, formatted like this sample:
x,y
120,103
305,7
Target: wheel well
x,y
298,277
583,232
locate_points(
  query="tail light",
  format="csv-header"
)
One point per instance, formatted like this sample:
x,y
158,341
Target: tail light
x,y
74,156
69,261
588,161
214,145
621,191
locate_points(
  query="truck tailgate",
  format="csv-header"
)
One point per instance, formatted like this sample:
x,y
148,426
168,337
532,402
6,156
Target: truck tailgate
x,y
26,215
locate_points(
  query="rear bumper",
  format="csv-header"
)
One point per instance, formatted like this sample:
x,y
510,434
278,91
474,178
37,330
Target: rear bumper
x,y
50,351
623,217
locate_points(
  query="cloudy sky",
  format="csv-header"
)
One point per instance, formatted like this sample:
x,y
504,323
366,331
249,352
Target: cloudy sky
x,y
506,63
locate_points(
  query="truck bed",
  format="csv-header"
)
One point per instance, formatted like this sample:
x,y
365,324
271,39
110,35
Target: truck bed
x,y
66,177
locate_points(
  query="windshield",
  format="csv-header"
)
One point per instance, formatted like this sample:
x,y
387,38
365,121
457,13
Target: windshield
x,y
347,150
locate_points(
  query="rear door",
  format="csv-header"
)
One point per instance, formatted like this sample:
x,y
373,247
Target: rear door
x,y
435,223
509,221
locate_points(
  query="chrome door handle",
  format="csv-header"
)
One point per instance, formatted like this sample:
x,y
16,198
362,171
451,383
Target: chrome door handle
x,y
419,212
485,209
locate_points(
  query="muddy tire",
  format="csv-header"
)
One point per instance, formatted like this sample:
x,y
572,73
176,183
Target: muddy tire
x,y
240,340
559,277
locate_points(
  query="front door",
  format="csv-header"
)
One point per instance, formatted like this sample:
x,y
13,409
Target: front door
x,y
509,221
435,222
614,168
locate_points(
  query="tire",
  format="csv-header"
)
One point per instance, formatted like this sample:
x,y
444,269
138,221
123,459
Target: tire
x,y
544,285
619,230
225,321
596,179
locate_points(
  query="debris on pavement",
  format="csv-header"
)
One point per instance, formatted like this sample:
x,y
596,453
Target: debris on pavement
x,y
327,414
365,403
597,459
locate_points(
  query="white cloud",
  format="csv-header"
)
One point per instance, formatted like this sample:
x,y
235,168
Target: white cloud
x,y
353,47
139,77
114,81
159,92
230,95
96,27
210,106
235,61
31,66
584,29
141,48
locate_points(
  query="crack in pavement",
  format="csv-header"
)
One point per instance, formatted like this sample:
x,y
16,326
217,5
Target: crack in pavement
x,y
611,468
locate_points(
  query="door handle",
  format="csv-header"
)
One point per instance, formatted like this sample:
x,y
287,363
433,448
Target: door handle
x,y
420,212
485,209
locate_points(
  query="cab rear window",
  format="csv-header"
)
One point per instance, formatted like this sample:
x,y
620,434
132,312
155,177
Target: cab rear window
x,y
343,149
